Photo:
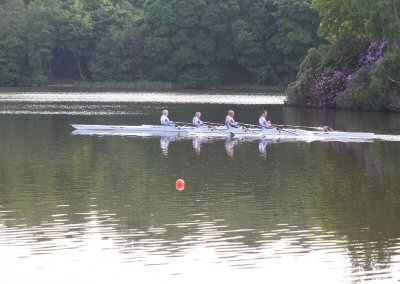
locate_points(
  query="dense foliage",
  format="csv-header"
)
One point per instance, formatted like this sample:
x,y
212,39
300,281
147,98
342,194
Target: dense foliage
x,y
360,67
196,43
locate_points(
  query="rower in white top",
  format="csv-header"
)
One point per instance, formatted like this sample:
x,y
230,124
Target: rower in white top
x,y
165,120
229,121
196,119
263,122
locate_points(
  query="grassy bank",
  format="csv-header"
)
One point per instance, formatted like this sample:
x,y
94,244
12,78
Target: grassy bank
x,y
129,86
167,86
140,86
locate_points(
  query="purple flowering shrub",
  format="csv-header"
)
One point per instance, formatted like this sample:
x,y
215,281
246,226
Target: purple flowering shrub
x,y
374,54
326,88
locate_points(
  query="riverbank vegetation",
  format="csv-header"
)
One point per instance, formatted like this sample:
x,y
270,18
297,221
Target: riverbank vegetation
x,y
189,43
359,67
353,46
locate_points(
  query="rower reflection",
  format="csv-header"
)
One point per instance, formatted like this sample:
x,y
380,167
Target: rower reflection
x,y
196,142
164,143
262,147
229,145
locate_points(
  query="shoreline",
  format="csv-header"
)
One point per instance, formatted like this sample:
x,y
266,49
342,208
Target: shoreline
x,y
90,87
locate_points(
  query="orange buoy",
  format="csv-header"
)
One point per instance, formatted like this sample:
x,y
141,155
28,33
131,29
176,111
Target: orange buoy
x,y
180,184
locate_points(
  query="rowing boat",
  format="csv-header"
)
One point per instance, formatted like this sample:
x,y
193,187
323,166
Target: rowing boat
x,y
252,132
154,130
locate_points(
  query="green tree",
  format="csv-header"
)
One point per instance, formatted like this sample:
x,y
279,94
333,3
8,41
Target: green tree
x,y
272,37
118,54
12,38
297,26
160,25
78,33
252,33
371,19
179,41
44,17
196,43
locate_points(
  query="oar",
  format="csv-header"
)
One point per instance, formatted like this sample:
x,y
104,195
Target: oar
x,y
249,125
284,130
214,124
204,122
182,123
279,127
210,125
220,124
244,126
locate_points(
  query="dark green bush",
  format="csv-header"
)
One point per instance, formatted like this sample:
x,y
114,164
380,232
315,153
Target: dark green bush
x,y
198,78
376,87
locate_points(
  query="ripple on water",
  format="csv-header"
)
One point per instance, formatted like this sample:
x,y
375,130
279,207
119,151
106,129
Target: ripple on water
x,y
205,244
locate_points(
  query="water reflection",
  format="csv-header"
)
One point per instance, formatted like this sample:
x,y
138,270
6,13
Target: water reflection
x,y
230,144
197,143
190,243
164,143
262,147
324,213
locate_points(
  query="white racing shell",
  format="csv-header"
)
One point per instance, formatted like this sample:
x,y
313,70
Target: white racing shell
x,y
275,132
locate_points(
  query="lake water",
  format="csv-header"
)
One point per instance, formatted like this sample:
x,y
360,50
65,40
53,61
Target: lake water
x,y
104,209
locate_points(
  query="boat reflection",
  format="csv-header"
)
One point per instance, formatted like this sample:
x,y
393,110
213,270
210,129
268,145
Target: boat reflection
x,y
230,142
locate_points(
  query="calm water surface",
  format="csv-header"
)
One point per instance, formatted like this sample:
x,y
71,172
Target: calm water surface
x,y
93,209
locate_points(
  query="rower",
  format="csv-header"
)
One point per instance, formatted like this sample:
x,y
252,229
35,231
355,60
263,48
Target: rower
x,y
263,122
196,119
165,120
229,121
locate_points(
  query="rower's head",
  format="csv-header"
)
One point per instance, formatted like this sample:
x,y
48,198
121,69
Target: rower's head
x,y
264,113
231,113
165,112
198,114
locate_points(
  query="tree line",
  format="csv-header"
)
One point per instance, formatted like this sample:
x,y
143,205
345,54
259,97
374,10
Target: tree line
x,y
193,43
